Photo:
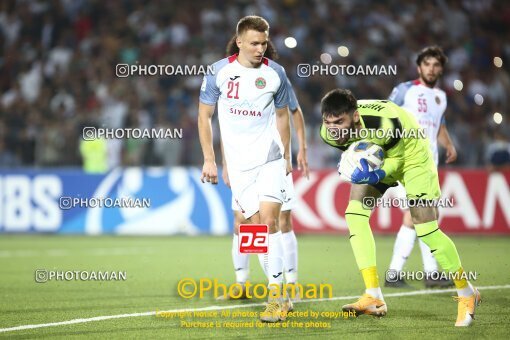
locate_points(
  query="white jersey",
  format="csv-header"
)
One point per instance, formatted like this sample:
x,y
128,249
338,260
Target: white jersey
x,y
247,99
426,104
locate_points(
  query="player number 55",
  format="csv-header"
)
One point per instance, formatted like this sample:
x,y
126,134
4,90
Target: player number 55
x,y
422,105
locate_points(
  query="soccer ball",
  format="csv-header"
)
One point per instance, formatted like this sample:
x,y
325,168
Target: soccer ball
x,y
350,159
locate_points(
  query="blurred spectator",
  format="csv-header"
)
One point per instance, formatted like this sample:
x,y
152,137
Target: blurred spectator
x,y
497,155
7,159
94,154
167,151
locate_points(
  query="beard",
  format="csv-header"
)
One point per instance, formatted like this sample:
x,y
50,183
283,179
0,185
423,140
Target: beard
x,y
430,83
347,134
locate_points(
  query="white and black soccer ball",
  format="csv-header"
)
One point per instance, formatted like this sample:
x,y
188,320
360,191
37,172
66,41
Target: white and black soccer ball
x,y
350,159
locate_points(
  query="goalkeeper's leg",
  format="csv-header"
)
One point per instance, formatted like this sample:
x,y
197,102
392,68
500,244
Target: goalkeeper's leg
x,y
445,252
422,184
363,246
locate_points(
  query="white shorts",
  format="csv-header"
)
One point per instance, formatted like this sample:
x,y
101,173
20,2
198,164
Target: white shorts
x,y
397,192
288,203
265,183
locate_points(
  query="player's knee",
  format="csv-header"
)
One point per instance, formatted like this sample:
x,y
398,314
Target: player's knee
x,y
285,221
356,207
238,219
236,225
271,222
407,220
354,211
423,215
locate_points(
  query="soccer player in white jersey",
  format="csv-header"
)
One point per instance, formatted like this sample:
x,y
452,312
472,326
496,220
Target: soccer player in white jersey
x,y
427,103
290,249
252,96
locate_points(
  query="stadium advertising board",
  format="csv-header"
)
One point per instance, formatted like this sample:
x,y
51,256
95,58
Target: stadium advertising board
x,y
33,202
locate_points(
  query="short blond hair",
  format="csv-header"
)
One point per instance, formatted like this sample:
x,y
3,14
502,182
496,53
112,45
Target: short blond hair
x,y
252,22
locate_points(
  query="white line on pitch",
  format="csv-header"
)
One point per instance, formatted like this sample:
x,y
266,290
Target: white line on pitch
x,y
132,315
66,252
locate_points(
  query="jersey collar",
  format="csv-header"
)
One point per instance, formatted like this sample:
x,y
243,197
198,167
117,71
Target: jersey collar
x,y
233,58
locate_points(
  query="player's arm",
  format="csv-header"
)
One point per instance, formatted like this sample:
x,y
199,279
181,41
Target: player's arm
x,y
363,174
281,103
224,170
299,125
443,137
391,164
283,126
392,142
209,170
209,94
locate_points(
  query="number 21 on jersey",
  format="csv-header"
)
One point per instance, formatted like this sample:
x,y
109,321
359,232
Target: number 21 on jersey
x,y
233,90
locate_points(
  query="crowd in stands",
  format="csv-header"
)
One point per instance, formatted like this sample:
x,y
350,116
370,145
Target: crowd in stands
x,y
58,58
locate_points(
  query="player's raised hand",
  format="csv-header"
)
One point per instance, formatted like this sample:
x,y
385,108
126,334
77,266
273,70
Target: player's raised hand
x,y
209,173
451,154
302,163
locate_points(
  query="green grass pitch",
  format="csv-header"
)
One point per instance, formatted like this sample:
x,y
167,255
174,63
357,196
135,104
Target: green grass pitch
x,y
154,265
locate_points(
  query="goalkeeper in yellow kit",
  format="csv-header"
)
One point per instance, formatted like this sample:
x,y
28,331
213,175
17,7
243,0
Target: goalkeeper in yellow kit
x,y
408,160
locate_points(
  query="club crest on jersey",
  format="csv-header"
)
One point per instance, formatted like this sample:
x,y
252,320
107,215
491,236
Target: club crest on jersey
x,y
260,83
438,101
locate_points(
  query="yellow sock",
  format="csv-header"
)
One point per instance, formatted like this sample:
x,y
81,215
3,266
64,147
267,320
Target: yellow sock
x,y
370,277
459,279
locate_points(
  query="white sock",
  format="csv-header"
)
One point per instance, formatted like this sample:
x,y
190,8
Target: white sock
x,y
466,292
429,262
263,260
241,261
375,292
403,247
290,256
275,259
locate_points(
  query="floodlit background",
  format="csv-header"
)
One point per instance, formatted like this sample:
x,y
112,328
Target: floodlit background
x,y
58,74
58,62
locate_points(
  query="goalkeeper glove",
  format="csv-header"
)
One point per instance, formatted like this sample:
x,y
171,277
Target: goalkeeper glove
x,y
365,176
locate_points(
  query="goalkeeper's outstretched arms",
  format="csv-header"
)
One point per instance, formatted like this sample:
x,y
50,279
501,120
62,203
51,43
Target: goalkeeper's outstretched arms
x,y
364,175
